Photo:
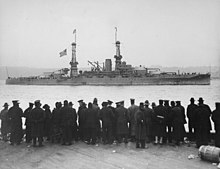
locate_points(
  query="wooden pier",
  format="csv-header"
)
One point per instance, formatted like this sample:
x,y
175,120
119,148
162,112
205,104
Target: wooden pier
x,y
83,156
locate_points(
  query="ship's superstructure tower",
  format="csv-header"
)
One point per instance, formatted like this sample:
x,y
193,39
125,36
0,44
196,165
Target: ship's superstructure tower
x,y
73,63
118,56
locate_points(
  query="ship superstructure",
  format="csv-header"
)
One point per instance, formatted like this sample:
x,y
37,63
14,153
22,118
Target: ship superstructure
x,y
107,75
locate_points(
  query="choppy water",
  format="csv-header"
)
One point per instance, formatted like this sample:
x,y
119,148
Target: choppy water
x,y
52,94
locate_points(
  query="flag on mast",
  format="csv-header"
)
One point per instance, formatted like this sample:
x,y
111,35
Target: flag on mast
x,y
64,52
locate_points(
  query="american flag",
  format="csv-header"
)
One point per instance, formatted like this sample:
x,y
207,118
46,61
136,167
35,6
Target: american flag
x,y
64,52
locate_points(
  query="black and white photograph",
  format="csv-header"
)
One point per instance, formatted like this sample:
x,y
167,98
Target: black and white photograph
x,y
110,84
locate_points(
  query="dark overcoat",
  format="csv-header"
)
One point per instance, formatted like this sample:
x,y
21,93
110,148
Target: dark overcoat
x,y
67,116
27,116
56,122
202,116
97,109
178,123
202,124
73,111
183,113
190,113
56,117
216,120
15,114
131,111
148,120
168,116
37,117
47,122
106,115
159,125
122,120
91,118
81,116
140,124
5,127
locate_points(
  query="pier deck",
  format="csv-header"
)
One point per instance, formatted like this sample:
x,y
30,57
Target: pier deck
x,y
82,156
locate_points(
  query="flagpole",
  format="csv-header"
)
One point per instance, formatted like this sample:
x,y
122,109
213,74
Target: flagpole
x,y
75,35
115,34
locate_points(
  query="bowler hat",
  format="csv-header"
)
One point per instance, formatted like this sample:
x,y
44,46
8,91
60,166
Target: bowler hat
x,y
192,99
200,99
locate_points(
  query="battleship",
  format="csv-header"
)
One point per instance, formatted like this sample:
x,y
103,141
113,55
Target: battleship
x,y
122,74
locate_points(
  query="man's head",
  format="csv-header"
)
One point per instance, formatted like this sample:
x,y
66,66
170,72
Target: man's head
x,y
65,103
70,104
117,104
172,103
132,101
153,104
201,101
141,106
110,102
5,105
37,103
192,100
46,106
15,102
90,105
104,104
217,105
166,102
147,103
160,102
122,103
31,105
95,101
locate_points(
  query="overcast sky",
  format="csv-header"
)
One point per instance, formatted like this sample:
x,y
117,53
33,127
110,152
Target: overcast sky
x,y
152,32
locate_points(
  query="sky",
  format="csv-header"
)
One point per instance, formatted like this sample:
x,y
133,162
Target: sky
x,y
152,32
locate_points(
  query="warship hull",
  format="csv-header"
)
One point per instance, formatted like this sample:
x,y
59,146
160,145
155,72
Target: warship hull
x,y
198,79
